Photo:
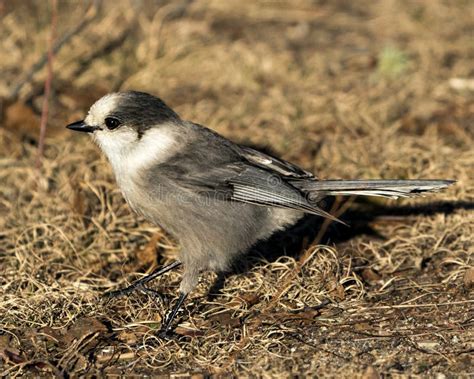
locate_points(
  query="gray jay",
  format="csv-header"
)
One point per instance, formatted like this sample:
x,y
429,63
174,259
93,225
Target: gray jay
x,y
216,197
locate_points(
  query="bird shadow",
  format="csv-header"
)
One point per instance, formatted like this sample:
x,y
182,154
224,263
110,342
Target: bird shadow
x,y
361,220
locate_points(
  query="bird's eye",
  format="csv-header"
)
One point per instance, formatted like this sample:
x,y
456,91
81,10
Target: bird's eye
x,y
112,123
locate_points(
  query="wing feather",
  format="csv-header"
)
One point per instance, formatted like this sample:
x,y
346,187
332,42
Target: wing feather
x,y
273,164
256,186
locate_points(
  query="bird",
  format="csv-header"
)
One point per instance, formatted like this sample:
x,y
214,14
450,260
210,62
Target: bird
x,y
217,198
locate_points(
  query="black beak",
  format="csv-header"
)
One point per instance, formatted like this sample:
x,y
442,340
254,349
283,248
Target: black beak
x,y
81,126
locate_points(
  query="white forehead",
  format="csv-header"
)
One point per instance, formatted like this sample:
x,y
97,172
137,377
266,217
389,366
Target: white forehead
x,y
102,108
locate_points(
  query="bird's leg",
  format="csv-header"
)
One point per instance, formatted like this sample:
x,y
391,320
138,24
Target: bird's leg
x,y
139,284
188,283
171,316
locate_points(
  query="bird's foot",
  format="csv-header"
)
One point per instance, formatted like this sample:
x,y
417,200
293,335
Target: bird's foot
x,y
156,295
122,292
140,283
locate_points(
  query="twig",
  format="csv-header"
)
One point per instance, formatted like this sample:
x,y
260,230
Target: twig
x,y
427,305
47,83
91,14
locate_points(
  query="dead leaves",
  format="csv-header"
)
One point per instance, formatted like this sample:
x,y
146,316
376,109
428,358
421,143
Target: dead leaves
x,y
7,352
469,278
68,348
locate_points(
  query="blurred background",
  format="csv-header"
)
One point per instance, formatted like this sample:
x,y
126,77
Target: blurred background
x,y
346,89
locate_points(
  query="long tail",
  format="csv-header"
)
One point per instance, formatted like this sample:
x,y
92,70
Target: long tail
x,y
384,188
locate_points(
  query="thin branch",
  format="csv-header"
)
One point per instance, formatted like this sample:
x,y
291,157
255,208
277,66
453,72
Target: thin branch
x,y
91,14
47,83
426,305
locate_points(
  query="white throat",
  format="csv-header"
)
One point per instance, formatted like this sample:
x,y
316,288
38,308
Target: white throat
x,y
128,154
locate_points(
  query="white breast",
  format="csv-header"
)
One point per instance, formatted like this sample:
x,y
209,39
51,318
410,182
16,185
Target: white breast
x,y
129,156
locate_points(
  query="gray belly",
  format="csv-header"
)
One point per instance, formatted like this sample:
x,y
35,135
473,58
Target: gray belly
x,y
211,232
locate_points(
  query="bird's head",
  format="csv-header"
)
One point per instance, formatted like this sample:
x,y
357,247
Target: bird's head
x,y
125,122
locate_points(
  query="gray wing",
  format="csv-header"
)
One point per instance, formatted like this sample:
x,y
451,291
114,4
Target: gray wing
x,y
256,186
239,173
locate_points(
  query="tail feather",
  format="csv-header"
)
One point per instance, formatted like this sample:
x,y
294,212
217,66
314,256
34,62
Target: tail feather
x,y
384,188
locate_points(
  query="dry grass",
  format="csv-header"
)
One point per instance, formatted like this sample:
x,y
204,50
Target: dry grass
x,y
346,89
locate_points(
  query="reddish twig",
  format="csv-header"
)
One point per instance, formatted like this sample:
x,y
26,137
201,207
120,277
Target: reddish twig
x,y
27,77
47,83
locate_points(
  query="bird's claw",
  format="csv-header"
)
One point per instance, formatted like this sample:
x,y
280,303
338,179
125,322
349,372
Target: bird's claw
x,y
165,334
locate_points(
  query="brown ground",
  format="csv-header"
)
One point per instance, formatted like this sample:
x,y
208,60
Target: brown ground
x,y
346,89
